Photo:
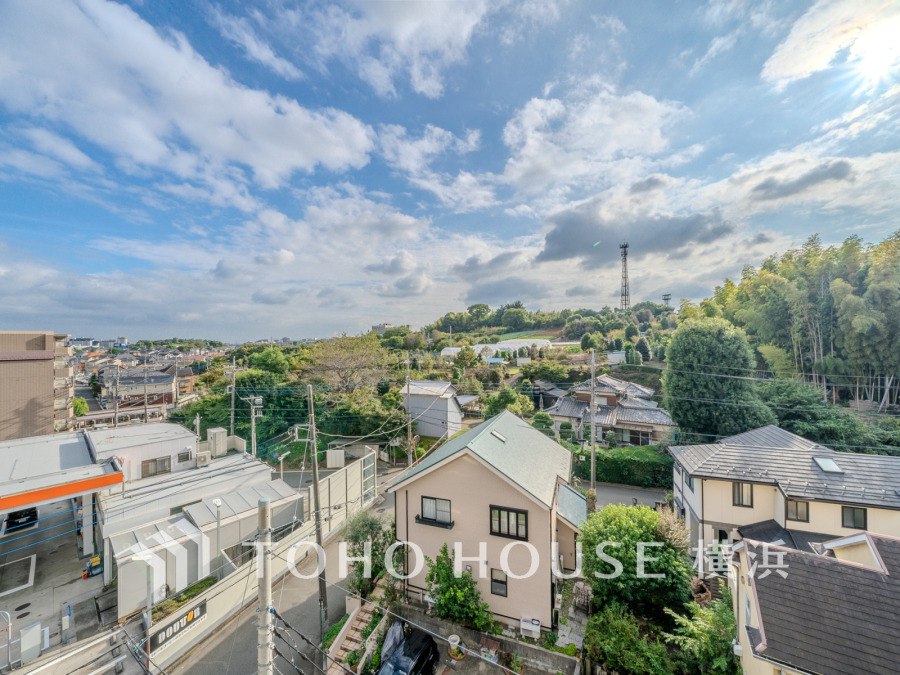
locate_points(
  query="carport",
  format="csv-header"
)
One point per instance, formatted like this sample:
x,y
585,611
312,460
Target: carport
x,y
41,562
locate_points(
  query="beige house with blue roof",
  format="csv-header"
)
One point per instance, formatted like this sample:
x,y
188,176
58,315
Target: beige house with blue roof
x,y
502,482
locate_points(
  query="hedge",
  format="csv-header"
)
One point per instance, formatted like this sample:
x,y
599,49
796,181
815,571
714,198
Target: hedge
x,y
646,466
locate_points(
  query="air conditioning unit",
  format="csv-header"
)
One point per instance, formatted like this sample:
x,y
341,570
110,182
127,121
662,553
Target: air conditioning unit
x,y
204,458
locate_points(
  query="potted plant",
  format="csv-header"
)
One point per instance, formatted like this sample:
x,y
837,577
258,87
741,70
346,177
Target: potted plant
x,y
456,649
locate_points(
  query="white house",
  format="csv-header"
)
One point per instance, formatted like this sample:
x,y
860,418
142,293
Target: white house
x,y
434,408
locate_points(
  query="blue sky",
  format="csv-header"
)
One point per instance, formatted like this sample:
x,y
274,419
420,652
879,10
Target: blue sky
x,y
244,170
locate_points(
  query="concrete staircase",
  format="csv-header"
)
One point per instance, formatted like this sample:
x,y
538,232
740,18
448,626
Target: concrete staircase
x,y
353,640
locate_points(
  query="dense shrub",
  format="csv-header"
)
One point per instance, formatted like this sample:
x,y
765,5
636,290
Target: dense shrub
x,y
642,465
613,637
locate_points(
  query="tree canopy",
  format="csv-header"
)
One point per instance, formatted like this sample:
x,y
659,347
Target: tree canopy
x,y
707,387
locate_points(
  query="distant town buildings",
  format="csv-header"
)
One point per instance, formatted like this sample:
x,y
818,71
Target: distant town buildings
x,y
36,384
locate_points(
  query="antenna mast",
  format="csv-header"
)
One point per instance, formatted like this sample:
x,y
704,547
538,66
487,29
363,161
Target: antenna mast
x,y
626,295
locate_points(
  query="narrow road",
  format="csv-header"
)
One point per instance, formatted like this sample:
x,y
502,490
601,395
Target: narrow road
x,y
232,649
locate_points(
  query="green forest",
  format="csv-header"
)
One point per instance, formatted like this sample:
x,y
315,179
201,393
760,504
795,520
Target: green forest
x,y
830,315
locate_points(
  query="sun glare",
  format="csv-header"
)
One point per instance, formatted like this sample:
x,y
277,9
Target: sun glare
x,y
876,52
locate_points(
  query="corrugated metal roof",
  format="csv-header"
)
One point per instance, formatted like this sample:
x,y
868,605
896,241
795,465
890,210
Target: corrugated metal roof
x,y
240,501
429,388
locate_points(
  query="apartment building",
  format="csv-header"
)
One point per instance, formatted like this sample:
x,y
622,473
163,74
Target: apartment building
x,y
769,481
36,383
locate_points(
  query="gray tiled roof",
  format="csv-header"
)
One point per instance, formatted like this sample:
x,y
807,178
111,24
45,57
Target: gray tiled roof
x,y
770,532
605,415
568,407
832,617
514,448
572,505
643,415
612,385
789,461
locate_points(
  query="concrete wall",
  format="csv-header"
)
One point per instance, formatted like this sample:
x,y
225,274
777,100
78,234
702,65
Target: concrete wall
x,y
26,386
134,456
472,488
536,658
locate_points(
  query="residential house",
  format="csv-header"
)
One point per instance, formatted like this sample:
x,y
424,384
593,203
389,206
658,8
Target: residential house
x,y
625,408
500,483
769,474
803,613
434,407
36,384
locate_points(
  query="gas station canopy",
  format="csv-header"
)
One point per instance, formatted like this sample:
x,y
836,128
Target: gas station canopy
x,y
45,469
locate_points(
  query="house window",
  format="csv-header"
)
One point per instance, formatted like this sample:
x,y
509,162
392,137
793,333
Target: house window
x,y
498,582
435,512
154,467
854,517
742,494
689,481
184,456
797,510
511,523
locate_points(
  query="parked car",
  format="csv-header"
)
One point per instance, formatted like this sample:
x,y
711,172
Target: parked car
x,y
415,655
20,519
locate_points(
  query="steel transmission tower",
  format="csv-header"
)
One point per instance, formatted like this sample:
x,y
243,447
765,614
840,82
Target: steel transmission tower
x,y
626,295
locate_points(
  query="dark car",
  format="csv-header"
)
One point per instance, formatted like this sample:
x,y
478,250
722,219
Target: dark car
x,y
20,519
415,655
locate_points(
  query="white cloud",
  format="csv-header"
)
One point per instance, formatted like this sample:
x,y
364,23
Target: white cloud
x,y
718,45
560,145
829,28
151,101
385,39
241,33
60,148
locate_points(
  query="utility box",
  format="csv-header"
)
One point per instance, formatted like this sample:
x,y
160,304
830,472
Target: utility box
x,y
217,437
30,642
334,458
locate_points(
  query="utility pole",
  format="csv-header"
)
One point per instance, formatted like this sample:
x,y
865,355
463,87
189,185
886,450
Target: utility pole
x,y
266,628
626,294
323,596
593,423
255,411
116,403
146,416
233,373
175,379
409,439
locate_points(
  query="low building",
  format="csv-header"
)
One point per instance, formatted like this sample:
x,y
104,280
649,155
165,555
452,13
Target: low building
x,y
37,384
804,613
770,474
499,483
434,407
625,408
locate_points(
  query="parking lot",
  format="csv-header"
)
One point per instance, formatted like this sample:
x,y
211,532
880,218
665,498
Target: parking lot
x,y
41,579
